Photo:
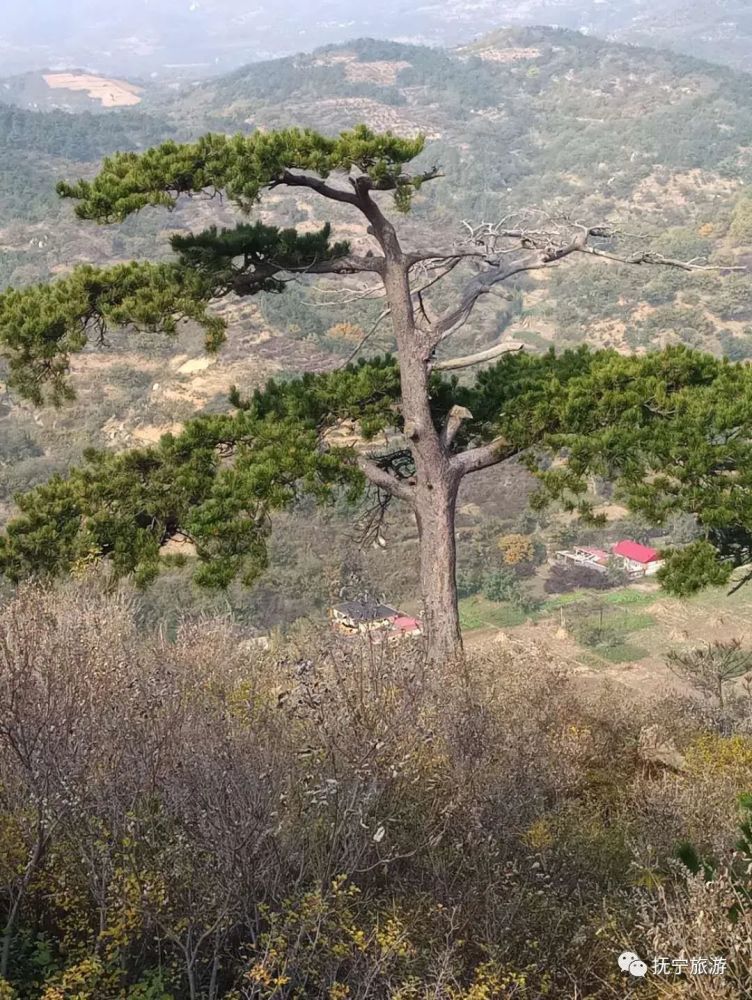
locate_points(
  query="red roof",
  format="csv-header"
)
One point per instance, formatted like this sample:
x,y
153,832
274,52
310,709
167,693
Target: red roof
x,y
404,623
633,550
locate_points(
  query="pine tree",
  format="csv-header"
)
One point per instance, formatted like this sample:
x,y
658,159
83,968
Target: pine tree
x,y
218,482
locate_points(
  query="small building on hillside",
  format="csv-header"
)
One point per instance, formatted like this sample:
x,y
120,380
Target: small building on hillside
x,y
361,616
380,621
405,627
584,555
639,560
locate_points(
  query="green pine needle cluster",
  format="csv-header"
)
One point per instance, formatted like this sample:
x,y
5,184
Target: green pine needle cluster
x,y
214,485
255,246
42,325
672,429
241,166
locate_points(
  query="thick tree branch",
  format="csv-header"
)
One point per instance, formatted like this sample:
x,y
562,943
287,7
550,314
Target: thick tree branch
x,y
381,478
453,319
291,179
351,264
453,364
483,457
248,282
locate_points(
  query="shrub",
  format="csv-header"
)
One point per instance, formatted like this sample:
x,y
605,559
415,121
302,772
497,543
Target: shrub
x,y
516,549
328,819
563,579
501,586
599,635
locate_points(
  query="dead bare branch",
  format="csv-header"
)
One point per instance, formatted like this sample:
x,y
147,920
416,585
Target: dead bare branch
x,y
538,241
364,340
483,457
453,364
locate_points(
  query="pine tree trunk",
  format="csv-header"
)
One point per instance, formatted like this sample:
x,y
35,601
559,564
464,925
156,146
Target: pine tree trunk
x,y
434,514
436,487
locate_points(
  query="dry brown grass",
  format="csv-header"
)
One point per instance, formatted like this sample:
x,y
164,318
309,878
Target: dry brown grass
x,y
498,818
383,72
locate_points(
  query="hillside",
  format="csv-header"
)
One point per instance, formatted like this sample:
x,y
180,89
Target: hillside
x,y
546,120
533,112
532,118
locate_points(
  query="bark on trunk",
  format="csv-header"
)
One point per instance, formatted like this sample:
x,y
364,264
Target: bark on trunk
x,y
435,513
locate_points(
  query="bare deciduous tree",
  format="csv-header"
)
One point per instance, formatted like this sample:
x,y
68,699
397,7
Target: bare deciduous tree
x,y
709,668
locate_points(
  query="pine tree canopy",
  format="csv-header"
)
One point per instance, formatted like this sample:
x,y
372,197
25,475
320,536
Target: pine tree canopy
x,y
672,429
241,166
42,325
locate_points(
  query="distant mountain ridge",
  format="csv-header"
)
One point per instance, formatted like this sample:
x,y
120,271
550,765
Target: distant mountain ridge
x,y
193,38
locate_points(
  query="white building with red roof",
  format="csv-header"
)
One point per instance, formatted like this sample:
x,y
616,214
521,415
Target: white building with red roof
x,y
639,560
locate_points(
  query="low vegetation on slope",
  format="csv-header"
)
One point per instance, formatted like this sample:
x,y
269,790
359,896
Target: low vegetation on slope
x,y
199,819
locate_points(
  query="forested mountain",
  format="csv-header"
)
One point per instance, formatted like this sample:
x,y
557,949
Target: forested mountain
x,y
550,110
36,146
531,118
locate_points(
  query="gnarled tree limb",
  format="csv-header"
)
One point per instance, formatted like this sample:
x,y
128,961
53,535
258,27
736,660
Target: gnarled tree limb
x,y
291,179
453,364
483,457
384,480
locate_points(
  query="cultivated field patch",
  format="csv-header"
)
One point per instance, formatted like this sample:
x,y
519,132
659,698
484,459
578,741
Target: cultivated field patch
x,y
110,93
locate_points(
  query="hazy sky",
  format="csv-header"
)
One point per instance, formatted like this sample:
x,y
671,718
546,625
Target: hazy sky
x,y
151,37
145,36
